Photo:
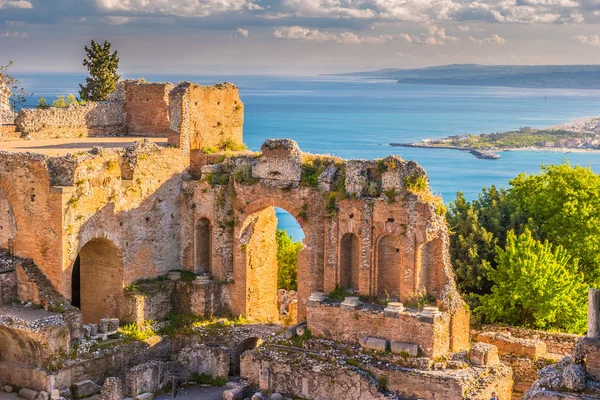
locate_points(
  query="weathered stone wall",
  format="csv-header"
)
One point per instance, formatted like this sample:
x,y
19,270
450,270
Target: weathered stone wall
x,y
205,116
146,108
36,210
430,332
149,302
260,244
91,119
556,342
275,375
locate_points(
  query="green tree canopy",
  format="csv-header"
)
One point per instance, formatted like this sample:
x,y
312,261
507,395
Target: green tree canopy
x,y
562,204
535,285
287,261
102,65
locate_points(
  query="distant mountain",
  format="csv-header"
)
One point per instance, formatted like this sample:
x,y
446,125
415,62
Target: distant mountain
x,y
528,76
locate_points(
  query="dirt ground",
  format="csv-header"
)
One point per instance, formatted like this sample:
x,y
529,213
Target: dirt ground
x,y
61,147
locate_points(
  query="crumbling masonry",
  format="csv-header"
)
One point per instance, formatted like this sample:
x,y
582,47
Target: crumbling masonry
x,y
82,235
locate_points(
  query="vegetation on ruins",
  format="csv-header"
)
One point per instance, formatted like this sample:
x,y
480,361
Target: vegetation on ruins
x,y
64,102
102,64
42,104
18,94
287,260
312,168
243,174
561,204
535,284
225,145
138,333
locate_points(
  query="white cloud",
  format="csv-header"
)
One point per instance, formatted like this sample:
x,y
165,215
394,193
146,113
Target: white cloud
x,y
494,39
15,35
116,20
435,36
301,33
593,40
242,32
180,8
15,4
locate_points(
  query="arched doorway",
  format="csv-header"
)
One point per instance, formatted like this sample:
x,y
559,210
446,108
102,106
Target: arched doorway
x,y
204,246
8,225
349,261
97,281
389,266
247,344
431,274
271,249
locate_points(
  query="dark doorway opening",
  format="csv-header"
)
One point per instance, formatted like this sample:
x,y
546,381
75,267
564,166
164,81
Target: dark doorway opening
x,y
76,284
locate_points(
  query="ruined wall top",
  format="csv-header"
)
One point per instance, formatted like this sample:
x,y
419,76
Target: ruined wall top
x,y
5,94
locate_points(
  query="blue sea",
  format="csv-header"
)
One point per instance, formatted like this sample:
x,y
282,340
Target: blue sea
x,y
358,118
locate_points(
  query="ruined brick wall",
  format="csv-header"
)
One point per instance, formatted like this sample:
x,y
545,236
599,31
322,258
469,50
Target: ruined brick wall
x,y
130,199
205,116
260,246
36,211
146,108
105,118
556,342
431,333
399,245
305,382
8,226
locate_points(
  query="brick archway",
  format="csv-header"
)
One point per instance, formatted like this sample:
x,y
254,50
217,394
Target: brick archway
x,y
255,264
389,268
100,268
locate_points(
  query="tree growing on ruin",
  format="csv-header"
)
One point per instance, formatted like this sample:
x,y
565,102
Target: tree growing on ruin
x,y
537,285
287,261
17,96
102,63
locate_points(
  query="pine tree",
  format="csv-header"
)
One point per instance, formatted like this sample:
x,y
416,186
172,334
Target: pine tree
x,y
536,285
103,66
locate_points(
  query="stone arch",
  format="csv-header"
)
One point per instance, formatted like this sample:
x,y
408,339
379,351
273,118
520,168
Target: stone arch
x,y
389,265
255,264
431,270
203,246
349,261
239,349
100,268
14,214
8,223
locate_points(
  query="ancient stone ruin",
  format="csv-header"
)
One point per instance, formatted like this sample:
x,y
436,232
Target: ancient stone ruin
x,y
6,114
184,230
576,376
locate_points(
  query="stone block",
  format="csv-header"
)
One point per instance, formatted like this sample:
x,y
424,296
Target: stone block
x,y
373,343
574,377
393,310
258,396
591,350
350,304
276,396
28,394
484,354
103,325
145,378
174,276
301,330
233,394
403,347
55,394
85,388
113,324
145,396
43,396
7,388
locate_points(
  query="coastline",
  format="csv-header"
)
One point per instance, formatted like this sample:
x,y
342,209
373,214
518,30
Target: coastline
x,y
589,125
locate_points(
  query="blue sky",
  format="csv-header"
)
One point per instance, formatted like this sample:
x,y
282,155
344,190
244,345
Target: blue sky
x,y
298,36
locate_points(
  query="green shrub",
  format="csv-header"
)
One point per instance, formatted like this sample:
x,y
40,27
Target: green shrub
x,y
134,332
243,174
312,168
339,293
416,183
42,104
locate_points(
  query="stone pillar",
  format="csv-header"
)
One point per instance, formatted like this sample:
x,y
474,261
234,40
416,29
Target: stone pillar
x,y
593,314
